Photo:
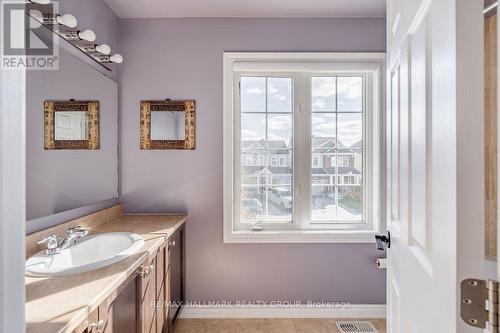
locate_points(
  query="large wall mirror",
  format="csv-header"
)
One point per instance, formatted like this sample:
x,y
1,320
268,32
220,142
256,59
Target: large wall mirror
x,y
72,139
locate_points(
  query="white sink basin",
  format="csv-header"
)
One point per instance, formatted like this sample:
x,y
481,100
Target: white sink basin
x,y
86,254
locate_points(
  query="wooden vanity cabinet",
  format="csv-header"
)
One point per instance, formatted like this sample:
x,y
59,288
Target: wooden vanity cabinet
x,y
151,298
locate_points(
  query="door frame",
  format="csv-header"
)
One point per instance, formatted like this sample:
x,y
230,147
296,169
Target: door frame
x,y
12,200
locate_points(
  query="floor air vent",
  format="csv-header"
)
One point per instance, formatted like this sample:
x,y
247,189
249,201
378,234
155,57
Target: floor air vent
x,y
356,326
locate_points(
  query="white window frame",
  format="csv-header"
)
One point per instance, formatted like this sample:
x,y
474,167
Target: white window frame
x,y
301,230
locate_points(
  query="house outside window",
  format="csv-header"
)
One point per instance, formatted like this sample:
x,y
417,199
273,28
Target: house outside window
x,y
314,127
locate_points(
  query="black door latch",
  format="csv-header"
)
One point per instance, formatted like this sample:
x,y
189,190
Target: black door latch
x,y
381,239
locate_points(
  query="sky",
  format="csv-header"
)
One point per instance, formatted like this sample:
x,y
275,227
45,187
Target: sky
x,y
328,94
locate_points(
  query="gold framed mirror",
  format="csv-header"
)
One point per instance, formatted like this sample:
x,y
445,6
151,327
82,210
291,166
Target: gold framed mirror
x,y
168,125
71,125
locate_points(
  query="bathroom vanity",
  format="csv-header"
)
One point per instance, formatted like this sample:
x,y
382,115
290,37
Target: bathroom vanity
x,y
142,293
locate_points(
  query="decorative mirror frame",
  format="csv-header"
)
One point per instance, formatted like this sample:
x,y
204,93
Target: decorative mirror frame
x,y
92,110
188,106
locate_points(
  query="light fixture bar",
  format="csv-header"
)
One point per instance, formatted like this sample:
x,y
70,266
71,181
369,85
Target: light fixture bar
x,y
490,7
99,52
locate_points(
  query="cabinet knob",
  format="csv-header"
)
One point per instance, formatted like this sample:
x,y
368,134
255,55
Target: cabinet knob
x,y
145,271
172,243
99,326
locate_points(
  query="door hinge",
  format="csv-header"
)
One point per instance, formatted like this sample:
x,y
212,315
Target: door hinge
x,y
479,303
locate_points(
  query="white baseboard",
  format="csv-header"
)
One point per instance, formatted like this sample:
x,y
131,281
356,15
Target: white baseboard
x,y
295,311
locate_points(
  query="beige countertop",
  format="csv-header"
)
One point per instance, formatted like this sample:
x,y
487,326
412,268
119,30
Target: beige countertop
x,y
61,304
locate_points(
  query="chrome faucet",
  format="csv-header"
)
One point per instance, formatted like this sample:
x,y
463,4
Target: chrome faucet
x,y
72,234
55,244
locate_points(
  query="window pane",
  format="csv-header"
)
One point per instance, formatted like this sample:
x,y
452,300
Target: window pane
x,y
279,204
279,95
252,203
350,94
279,131
323,124
266,151
279,199
280,167
323,203
253,131
252,161
350,130
337,152
350,162
253,94
323,94
350,206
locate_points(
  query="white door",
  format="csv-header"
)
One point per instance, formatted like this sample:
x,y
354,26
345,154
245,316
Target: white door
x,y
435,193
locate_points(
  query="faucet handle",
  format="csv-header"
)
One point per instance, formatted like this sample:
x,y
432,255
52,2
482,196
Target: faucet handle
x,y
52,244
77,228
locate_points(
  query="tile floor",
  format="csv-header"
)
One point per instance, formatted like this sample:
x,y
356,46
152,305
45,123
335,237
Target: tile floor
x,y
265,325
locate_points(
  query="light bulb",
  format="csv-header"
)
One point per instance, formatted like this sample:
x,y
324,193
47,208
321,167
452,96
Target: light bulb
x,y
116,58
87,35
67,20
41,2
103,48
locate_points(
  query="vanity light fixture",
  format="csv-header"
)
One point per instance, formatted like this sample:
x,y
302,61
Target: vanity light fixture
x,y
67,20
53,19
99,52
103,48
87,35
115,58
96,48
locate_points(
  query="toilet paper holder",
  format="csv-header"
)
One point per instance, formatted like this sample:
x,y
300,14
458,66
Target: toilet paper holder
x,y
381,263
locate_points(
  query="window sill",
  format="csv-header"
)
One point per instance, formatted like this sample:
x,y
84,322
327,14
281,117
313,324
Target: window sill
x,y
302,236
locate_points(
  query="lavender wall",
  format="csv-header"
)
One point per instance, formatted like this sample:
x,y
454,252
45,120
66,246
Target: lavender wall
x,y
182,58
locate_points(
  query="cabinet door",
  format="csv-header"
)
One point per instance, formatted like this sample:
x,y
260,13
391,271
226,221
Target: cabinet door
x,y
125,308
176,256
160,290
147,305
117,313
